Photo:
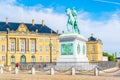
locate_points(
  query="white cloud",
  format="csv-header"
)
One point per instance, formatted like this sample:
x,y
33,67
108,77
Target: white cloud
x,y
108,30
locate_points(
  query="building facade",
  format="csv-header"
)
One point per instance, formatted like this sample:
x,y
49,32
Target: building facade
x,y
24,42
94,49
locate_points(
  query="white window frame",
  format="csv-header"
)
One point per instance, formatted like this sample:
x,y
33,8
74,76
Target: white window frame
x,y
3,58
40,40
40,48
12,47
22,47
41,58
47,58
93,48
47,48
54,48
93,58
33,47
3,48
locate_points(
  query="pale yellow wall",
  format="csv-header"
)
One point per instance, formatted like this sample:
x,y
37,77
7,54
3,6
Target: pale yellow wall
x,y
97,53
22,34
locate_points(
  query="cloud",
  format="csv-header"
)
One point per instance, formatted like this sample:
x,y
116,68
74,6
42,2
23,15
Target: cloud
x,y
106,1
107,30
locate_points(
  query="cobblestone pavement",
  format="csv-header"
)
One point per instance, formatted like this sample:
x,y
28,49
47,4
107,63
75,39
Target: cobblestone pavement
x,y
54,77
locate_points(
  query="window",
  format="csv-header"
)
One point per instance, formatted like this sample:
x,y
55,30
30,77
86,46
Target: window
x,y
3,48
92,58
54,48
33,47
33,58
47,48
22,47
54,40
23,58
40,58
47,40
40,40
47,58
12,59
3,58
93,48
54,58
12,46
40,48
3,38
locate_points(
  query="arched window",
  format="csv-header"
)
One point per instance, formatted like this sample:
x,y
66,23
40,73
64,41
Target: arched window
x,y
32,58
12,59
23,58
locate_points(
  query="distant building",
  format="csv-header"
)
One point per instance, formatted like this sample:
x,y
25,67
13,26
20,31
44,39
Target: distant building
x,y
94,49
105,58
25,42
118,59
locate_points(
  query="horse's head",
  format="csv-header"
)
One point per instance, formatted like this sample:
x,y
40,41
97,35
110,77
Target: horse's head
x,y
68,11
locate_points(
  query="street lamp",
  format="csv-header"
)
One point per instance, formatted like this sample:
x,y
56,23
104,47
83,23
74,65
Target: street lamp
x,y
50,45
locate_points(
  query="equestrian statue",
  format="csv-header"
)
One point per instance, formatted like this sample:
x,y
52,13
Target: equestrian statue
x,y
72,20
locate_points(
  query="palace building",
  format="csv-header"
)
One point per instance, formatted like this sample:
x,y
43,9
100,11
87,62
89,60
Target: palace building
x,y
94,49
25,42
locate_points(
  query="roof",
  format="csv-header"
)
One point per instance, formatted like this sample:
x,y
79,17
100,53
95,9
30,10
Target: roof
x,y
91,39
14,26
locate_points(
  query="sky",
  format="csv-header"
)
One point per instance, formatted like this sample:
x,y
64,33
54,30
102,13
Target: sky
x,y
100,17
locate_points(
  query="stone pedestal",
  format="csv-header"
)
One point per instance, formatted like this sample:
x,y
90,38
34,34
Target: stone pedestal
x,y
52,71
1,70
72,50
33,70
16,70
73,71
9,69
96,71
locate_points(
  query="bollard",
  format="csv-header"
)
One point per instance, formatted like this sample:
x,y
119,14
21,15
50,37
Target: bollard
x,y
1,70
16,70
9,69
73,71
52,71
96,71
33,70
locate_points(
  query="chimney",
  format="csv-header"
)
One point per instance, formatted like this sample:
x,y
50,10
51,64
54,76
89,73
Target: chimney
x,y
36,30
33,23
6,20
51,31
42,22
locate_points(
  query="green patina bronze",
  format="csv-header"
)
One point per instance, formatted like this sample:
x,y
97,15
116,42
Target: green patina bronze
x,y
83,49
72,20
67,49
78,48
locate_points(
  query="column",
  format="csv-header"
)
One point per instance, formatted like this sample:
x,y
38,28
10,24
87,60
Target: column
x,y
36,45
29,44
16,45
19,45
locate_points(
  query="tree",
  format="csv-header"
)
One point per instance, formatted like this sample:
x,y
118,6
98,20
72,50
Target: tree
x,y
110,57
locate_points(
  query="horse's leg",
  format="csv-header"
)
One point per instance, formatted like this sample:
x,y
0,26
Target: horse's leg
x,y
67,26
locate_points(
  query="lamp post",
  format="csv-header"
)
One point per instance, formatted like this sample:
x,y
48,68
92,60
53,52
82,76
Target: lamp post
x,y
50,45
